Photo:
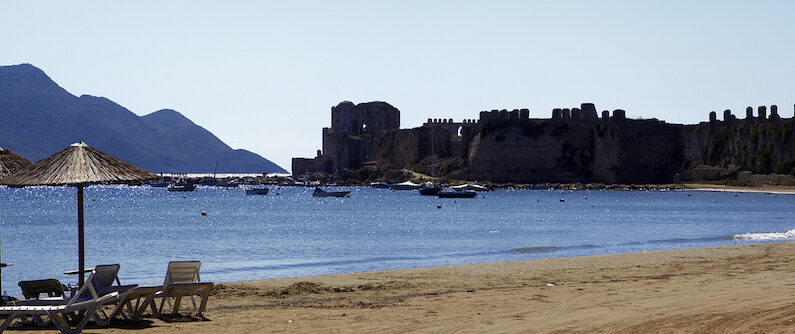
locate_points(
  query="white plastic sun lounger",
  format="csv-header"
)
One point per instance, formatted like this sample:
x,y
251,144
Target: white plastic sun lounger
x,y
182,280
86,307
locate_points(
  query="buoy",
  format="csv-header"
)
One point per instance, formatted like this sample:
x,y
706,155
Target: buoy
x,y
454,201
562,200
484,196
688,195
438,206
184,196
94,199
204,213
586,197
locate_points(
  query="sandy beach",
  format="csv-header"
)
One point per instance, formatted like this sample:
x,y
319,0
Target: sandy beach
x,y
741,289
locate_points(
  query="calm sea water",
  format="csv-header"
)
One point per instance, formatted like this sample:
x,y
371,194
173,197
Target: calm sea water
x,y
294,234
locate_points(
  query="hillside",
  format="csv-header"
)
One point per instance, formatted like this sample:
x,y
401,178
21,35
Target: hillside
x,y
40,118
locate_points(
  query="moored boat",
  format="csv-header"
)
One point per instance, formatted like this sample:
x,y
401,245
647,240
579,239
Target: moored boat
x,y
182,187
457,194
379,185
429,189
408,185
470,186
322,193
257,191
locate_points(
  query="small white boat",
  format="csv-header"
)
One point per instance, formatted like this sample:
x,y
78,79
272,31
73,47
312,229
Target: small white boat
x,y
408,185
470,186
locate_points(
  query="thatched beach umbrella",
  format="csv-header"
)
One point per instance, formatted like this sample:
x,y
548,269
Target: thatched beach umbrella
x,y
77,165
10,162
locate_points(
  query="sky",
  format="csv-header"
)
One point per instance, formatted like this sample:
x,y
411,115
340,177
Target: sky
x,y
263,75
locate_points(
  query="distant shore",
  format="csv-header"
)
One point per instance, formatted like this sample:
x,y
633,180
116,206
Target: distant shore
x,y
736,289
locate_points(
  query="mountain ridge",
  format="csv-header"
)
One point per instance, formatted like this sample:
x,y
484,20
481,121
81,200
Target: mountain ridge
x,y
40,118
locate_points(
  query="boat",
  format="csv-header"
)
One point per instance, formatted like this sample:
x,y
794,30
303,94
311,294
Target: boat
x,y
229,185
159,184
379,185
470,186
408,185
257,191
457,194
182,187
322,193
429,189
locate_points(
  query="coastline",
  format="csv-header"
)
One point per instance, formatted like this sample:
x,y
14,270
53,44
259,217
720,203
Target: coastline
x,y
734,289
767,189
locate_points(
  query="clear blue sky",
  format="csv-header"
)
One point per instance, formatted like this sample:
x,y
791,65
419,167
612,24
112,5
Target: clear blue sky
x,y
263,75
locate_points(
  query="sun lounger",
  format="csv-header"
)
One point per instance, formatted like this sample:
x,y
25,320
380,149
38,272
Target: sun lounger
x,y
101,282
104,277
33,289
182,280
57,312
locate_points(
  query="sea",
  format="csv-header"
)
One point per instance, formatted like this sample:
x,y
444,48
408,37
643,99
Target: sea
x,y
289,233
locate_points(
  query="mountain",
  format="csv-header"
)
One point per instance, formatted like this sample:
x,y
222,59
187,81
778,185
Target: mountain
x,y
39,118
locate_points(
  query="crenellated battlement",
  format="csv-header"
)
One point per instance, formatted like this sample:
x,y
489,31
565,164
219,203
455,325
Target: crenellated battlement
x,y
749,114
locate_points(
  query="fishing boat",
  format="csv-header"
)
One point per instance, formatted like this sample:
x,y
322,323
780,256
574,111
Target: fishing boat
x,y
322,193
457,194
257,191
182,187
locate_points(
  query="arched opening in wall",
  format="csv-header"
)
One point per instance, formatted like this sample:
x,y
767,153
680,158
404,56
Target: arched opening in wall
x,y
364,128
458,133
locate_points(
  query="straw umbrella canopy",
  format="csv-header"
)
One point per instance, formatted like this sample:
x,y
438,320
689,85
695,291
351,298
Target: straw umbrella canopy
x,y
78,164
10,162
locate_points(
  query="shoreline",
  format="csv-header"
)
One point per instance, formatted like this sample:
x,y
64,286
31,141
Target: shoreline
x,y
729,289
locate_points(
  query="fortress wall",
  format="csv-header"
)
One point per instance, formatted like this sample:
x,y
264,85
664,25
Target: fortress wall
x,y
637,151
531,151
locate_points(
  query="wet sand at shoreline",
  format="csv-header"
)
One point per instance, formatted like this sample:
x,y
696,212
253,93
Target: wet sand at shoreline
x,y
737,289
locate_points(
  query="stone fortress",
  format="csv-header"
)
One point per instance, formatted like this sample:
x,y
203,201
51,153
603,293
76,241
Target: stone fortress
x,y
352,140
573,145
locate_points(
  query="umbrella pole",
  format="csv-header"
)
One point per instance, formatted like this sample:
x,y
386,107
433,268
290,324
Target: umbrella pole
x,y
80,236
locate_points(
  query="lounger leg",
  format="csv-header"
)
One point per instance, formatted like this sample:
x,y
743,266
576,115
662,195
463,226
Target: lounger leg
x,y
153,306
139,310
163,303
205,297
177,300
61,324
8,321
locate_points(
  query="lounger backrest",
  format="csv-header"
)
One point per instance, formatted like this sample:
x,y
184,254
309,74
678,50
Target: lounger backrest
x,y
102,278
182,272
105,275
